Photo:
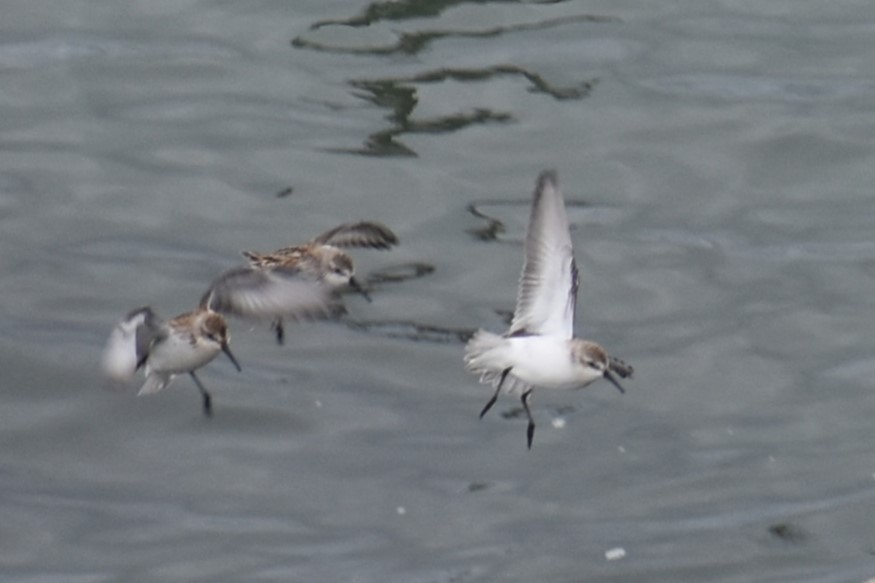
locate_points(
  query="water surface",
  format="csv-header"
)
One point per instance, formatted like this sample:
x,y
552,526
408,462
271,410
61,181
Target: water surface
x,y
716,158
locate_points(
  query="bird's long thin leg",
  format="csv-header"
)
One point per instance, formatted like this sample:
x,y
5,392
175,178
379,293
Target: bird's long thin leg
x,y
277,325
208,401
495,394
530,431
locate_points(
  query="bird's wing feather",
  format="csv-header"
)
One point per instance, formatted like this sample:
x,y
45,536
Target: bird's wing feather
x,y
129,343
265,294
360,234
154,383
547,294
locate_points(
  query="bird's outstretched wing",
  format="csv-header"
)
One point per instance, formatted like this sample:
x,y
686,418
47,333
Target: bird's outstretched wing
x,y
547,293
129,343
361,234
266,294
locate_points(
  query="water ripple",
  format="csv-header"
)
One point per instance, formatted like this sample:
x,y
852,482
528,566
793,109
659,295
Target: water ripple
x,y
412,43
414,331
763,88
400,96
29,54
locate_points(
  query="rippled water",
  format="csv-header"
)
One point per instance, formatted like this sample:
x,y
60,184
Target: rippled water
x,y
717,161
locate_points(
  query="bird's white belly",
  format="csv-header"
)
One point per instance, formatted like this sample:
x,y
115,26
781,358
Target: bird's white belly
x,y
177,355
547,362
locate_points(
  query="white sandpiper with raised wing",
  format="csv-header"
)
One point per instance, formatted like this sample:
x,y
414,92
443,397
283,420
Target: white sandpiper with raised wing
x,y
539,349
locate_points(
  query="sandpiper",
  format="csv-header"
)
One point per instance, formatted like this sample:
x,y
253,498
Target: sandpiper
x,y
303,281
166,348
539,349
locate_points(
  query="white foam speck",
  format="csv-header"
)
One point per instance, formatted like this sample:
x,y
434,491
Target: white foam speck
x,y
615,554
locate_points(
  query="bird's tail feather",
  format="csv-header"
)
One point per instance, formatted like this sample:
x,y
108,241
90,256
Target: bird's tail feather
x,y
488,355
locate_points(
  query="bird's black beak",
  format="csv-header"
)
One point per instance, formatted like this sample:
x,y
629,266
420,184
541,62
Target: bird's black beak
x,y
356,286
613,380
230,356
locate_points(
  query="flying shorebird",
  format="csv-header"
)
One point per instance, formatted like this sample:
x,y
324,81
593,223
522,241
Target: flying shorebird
x,y
166,348
539,349
301,282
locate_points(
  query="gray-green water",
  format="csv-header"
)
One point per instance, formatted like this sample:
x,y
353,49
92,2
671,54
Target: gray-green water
x,y
718,161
